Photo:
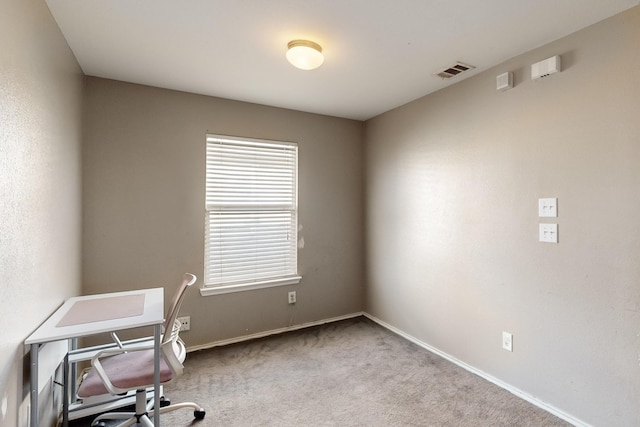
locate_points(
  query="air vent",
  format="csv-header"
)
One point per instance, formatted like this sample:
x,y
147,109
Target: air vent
x,y
454,70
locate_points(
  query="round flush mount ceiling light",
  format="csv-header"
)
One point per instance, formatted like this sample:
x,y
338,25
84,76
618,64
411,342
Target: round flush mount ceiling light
x,y
305,54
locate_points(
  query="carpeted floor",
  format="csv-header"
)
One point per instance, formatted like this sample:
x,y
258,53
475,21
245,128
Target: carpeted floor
x,y
348,373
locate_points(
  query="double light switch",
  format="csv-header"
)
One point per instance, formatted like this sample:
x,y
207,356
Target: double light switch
x,y
548,208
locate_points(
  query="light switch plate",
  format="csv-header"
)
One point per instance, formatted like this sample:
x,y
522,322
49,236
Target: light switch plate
x,y
548,208
549,233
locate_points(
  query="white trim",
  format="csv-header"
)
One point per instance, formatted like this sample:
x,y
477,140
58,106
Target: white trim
x,y
273,332
218,290
521,394
256,141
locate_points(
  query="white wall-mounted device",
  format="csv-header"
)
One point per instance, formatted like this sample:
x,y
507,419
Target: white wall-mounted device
x,y
507,341
549,233
548,207
504,81
545,68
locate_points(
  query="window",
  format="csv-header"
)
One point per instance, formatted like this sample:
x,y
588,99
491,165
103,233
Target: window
x,y
251,214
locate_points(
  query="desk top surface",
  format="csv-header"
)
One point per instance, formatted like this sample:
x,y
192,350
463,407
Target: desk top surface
x,y
93,314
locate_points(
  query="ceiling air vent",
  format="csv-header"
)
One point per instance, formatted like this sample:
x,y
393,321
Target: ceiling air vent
x,y
454,70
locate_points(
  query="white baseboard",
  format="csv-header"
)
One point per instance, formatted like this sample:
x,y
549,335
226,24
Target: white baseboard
x,y
272,332
521,394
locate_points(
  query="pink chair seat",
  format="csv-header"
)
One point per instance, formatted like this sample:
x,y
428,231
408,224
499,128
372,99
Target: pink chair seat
x,y
126,371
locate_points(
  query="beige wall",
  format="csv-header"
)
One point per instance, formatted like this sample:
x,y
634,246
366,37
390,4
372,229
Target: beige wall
x,y
452,186
144,169
40,221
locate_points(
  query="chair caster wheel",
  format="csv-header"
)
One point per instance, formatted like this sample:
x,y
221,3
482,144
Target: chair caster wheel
x,y
199,415
164,402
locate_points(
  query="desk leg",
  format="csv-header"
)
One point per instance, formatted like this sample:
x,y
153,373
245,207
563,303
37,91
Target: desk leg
x,y
65,392
156,374
74,372
35,348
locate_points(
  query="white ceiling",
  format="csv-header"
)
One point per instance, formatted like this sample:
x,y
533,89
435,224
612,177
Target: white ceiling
x,y
379,54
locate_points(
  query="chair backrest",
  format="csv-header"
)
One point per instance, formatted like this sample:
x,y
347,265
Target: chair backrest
x,y
172,314
172,346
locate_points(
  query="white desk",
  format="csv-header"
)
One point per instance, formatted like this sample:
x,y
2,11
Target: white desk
x,y
78,318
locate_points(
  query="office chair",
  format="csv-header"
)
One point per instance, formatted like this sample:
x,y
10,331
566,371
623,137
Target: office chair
x,y
119,370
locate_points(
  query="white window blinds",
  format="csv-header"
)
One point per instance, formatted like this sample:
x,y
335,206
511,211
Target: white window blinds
x,y
251,218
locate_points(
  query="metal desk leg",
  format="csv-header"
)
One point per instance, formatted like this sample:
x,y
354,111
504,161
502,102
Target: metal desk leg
x,y
65,392
34,385
73,342
70,386
156,374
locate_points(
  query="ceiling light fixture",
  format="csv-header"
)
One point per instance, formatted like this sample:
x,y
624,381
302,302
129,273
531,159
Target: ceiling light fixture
x,y
305,54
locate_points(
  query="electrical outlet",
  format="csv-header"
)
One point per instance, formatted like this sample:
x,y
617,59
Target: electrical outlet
x,y
292,297
185,323
507,341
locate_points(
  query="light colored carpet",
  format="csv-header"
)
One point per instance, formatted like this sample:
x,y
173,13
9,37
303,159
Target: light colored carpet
x,y
348,373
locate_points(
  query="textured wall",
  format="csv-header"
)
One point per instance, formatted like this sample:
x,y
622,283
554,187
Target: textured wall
x,y
452,186
40,133
144,171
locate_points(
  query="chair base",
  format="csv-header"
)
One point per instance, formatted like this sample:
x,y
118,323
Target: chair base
x,y
96,405
144,412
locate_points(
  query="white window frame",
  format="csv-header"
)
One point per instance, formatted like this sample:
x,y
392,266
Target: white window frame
x,y
251,188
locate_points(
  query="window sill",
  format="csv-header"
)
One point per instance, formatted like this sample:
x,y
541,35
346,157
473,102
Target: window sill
x,y
218,290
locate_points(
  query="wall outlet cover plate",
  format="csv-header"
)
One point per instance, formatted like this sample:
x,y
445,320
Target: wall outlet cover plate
x,y
549,233
507,341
